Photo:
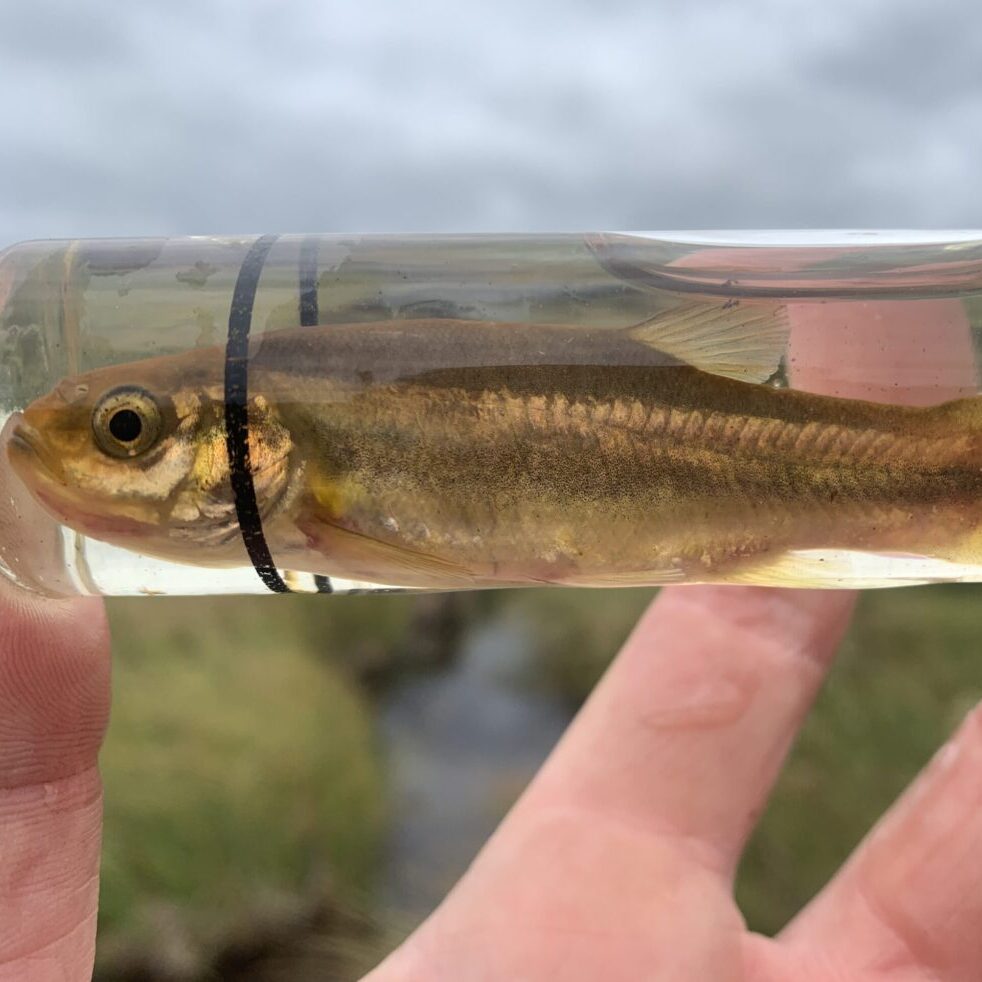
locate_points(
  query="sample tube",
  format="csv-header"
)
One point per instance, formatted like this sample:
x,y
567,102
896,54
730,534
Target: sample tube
x,y
337,413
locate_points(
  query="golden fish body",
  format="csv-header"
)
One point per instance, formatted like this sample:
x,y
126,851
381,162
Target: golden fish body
x,y
601,475
448,454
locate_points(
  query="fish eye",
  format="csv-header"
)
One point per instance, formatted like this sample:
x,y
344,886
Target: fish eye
x,y
126,422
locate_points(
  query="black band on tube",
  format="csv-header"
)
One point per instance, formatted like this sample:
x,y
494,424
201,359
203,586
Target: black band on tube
x,y
309,309
237,414
310,317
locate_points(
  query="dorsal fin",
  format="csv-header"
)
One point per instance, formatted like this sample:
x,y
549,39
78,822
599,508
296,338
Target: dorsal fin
x,y
740,340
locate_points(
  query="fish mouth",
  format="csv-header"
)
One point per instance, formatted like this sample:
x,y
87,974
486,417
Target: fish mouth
x,y
24,441
23,438
18,432
27,453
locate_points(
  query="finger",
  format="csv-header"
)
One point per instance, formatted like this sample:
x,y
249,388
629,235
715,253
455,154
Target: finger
x,y
685,736
54,701
53,707
911,895
879,910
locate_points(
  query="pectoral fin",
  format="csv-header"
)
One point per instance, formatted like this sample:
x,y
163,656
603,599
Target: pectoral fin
x,y
359,557
632,578
738,339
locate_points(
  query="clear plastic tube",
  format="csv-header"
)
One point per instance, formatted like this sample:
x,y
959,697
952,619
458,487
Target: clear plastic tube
x,y
334,413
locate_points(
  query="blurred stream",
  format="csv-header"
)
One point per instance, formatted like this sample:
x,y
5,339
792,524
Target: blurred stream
x,y
462,743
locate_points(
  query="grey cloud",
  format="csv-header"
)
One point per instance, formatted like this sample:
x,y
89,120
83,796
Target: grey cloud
x,y
910,56
58,34
242,115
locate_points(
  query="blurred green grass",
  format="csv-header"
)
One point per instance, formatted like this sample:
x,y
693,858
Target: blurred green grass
x,y
240,767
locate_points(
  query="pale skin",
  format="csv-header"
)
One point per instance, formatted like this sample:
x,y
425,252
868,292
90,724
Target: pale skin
x,y
618,861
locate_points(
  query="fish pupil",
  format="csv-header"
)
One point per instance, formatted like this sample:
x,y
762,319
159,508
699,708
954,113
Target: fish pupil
x,y
125,425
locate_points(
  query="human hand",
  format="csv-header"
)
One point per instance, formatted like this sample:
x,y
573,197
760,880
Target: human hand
x,y
54,703
618,862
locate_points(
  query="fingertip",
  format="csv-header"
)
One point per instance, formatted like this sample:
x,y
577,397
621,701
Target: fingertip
x,y
54,685
54,707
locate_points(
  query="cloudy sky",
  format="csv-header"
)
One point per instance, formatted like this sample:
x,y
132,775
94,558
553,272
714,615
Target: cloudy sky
x,y
176,116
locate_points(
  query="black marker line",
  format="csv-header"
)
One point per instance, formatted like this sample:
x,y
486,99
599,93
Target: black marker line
x,y
309,317
237,414
309,310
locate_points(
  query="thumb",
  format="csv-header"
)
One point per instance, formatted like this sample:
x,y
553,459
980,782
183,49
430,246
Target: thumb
x,y
54,704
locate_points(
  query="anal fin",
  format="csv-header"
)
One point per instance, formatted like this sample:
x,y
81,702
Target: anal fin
x,y
844,569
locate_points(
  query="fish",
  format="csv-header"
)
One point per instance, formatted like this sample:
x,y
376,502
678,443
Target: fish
x,y
456,454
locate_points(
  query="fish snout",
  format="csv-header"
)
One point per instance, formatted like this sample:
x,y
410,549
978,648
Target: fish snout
x,y
25,437
13,433
26,449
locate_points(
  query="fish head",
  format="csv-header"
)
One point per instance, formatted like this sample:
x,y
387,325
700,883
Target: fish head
x,y
135,455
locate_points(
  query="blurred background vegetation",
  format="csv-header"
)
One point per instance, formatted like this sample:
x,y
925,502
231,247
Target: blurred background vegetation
x,y
293,783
